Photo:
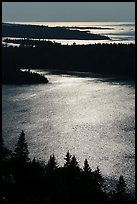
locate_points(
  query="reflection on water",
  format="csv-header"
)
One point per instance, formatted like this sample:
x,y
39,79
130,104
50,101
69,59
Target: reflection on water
x,y
90,117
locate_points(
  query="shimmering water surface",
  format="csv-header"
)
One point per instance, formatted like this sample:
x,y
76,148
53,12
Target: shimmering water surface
x,y
91,117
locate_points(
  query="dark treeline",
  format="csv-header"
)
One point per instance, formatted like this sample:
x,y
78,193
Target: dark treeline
x,y
22,77
33,181
110,59
28,43
11,73
36,31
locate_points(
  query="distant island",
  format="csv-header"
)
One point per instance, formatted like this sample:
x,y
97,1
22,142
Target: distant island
x,y
88,27
46,32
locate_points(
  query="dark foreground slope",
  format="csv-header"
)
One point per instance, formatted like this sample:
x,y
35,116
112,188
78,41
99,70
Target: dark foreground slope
x,y
110,59
34,181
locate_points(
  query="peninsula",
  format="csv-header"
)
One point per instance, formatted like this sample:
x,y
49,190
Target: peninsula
x,y
46,32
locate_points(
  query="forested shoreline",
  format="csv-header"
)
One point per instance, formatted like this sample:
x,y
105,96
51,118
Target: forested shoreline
x,y
111,59
34,181
37,31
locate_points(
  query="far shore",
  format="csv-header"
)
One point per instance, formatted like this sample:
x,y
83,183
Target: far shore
x,y
41,32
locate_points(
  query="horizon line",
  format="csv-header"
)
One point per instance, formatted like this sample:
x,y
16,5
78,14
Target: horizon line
x,y
68,21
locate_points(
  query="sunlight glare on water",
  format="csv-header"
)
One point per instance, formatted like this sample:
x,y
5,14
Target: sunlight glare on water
x,y
91,118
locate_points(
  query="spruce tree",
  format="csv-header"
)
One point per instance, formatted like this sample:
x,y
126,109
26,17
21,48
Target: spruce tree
x,y
98,176
74,163
120,193
68,159
21,151
97,180
121,186
51,165
86,168
87,178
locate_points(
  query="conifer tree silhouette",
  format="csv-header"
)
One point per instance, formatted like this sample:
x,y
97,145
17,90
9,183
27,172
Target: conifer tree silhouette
x,y
21,151
73,162
86,167
98,176
51,165
68,159
121,186
120,192
87,176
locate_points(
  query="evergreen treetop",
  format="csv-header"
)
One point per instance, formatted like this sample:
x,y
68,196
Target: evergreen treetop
x,y
21,151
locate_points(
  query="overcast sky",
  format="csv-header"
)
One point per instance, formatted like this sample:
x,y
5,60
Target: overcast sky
x,y
68,11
